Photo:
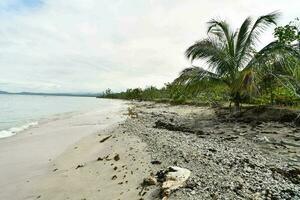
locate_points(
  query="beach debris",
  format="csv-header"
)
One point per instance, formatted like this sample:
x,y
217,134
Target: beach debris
x,y
175,178
79,166
155,162
169,180
132,113
291,174
99,159
212,150
106,138
117,157
54,170
114,177
172,126
151,180
230,138
104,158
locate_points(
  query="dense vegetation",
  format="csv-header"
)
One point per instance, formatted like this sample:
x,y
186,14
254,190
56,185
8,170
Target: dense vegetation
x,y
237,72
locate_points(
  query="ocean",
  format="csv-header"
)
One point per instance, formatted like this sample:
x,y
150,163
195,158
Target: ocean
x,y
20,112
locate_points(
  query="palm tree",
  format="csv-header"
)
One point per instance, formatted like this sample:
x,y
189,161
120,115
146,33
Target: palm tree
x,y
232,58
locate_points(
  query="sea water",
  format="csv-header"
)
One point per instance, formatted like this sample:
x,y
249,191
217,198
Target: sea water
x,y
20,112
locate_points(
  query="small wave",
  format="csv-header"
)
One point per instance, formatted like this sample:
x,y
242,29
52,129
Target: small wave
x,y
14,130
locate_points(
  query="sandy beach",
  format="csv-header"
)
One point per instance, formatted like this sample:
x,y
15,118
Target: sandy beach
x,y
26,157
108,156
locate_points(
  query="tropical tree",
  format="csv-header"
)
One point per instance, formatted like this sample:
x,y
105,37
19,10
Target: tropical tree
x,y
232,57
289,33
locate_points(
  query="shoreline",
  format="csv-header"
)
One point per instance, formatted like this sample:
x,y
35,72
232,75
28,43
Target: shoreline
x,y
228,160
36,122
25,157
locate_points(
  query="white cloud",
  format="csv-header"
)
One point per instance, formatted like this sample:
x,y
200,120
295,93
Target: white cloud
x,y
89,45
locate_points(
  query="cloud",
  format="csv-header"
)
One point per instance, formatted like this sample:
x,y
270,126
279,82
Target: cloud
x,y
90,45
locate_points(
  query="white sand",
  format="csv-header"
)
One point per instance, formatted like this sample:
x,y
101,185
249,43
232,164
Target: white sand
x,y
27,158
106,179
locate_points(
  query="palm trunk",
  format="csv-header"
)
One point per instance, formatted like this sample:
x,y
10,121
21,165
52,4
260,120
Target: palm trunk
x,y
237,102
237,107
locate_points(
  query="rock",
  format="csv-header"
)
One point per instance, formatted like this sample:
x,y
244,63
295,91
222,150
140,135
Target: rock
x,y
224,167
117,157
172,127
99,159
212,150
155,162
149,181
230,138
292,174
79,166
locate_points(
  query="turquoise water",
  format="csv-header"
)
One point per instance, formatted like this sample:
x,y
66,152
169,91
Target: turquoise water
x,y
19,112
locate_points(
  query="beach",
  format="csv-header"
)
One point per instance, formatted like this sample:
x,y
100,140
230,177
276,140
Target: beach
x,y
27,156
111,154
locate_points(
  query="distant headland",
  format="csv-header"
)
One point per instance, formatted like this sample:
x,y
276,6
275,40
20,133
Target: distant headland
x,y
51,94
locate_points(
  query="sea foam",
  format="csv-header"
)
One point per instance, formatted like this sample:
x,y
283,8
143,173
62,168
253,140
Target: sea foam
x,y
14,130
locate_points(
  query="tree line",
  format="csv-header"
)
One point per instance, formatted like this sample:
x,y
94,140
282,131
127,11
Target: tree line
x,y
236,71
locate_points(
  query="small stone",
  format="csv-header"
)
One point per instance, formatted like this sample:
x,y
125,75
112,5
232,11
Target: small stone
x,y
155,162
149,181
117,157
79,166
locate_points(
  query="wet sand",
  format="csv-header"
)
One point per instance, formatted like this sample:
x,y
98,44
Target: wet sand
x,y
26,157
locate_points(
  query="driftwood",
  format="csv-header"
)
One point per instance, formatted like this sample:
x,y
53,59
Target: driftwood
x,y
292,174
104,139
175,178
169,180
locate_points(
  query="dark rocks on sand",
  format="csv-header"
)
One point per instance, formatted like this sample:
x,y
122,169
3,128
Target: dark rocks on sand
x,y
155,162
117,157
79,166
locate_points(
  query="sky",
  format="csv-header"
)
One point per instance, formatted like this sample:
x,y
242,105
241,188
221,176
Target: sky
x,y
91,45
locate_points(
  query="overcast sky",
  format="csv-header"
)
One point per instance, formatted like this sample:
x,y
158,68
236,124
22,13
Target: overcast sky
x,y
90,45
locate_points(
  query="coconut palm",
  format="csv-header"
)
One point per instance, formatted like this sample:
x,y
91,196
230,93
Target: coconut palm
x,y
232,58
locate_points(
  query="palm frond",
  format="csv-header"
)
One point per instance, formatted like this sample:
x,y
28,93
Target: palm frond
x,y
243,33
222,30
279,61
214,53
260,25
275,52
196,78
195,74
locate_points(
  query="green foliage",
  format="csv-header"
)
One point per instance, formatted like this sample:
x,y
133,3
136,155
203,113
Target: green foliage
x,y
237,71
233,60
288,33
147,94
281,96
174,94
